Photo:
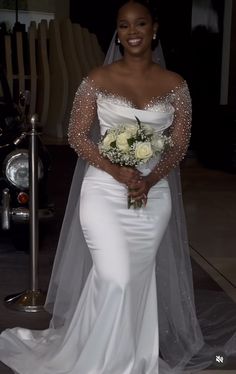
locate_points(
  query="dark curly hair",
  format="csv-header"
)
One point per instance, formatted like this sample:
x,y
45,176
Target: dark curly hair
x,y
152,11
149,5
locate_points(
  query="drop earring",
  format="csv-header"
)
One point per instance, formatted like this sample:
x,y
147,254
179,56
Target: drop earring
x,y
117,40
154,36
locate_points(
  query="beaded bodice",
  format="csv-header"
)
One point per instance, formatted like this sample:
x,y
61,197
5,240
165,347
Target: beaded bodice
x,y
172,111
113,111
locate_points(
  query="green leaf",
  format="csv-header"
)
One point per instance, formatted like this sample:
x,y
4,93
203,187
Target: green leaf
x,y
137,119
130,141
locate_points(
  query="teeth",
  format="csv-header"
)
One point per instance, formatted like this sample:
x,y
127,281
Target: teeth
x,y
134,41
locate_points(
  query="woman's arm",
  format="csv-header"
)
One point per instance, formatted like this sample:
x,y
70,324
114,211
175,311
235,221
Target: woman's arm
x,y
180,132
83,115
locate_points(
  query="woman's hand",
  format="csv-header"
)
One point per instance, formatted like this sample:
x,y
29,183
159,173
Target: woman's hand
x,y
139,190
138,186
124,174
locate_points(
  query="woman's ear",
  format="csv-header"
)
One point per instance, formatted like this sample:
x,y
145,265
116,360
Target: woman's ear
x,y
155,37
155,27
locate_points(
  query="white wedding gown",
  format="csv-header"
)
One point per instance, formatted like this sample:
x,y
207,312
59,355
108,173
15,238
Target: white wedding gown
x,y
114,327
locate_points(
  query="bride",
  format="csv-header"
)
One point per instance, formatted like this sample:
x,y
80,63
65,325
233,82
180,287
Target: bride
x,y
121,293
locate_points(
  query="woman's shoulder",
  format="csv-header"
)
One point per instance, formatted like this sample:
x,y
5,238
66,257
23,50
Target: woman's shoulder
x,y
169,80
100,76
107,77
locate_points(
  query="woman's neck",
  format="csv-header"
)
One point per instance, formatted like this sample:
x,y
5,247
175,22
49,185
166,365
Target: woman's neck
x,y
137,64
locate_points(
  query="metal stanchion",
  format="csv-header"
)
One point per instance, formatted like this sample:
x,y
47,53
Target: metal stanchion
x,y
33,299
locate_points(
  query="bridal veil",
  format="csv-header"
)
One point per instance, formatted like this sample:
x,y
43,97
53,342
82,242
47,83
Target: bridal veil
x,y
181,341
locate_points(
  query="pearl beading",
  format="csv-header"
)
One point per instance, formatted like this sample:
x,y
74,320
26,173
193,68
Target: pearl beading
x,y
84,113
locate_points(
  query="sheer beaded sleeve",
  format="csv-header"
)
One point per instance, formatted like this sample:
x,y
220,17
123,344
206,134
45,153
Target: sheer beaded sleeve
x,y
180,132
83,115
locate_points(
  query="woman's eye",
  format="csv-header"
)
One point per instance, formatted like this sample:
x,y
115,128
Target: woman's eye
x,y
142,23
122,26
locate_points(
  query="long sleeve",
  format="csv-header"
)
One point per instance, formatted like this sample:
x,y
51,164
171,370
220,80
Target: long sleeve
x,y
83,115
180,132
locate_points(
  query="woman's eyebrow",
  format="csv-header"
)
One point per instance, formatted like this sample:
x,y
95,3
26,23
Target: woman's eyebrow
x,y
138,19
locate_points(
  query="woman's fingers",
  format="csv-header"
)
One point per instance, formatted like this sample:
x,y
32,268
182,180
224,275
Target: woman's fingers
x,y
136,193
129,177
140,196
137,185
125,175
139,191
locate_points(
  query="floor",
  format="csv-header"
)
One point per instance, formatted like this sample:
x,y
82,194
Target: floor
x,y
209,197
211,216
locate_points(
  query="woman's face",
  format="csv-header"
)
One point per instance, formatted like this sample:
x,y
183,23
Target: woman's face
x,y
135,28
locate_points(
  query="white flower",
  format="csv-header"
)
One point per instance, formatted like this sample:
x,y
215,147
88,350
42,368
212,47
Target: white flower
x,y
131,129
148,130
143,151
109,138
122,141
158,144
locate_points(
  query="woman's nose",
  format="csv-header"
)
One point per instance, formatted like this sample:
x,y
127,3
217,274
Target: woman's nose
x,y
132,29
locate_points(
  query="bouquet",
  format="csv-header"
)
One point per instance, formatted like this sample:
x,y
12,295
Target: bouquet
x,y
132,145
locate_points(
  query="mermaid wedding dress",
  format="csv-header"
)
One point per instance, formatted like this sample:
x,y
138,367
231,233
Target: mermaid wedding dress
x,y
121,294
113,328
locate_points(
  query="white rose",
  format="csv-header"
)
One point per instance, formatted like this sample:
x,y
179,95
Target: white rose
x,y
158,144
131,129
148,129
109,138
143,151
122,141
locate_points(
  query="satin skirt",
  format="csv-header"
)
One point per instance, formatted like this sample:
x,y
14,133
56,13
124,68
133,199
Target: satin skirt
x,y
114,329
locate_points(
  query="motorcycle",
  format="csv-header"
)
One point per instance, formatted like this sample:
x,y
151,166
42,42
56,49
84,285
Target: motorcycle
x,y
14,173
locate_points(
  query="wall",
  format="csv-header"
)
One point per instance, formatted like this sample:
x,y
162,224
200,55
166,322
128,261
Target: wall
x,y
57,8
62,9
42,5
232,68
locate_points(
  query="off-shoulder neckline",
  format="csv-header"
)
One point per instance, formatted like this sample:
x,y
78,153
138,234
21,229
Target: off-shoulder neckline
x,y
150,102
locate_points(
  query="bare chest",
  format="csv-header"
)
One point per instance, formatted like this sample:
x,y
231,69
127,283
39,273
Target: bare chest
x,y
139,93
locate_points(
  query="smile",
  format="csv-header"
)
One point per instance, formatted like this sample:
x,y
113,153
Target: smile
x,y
134,41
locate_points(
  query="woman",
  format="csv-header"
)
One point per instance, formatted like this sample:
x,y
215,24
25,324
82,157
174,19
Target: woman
x,y
105,318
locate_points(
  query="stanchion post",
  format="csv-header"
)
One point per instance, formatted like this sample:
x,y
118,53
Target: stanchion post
x,y
33,299
34,228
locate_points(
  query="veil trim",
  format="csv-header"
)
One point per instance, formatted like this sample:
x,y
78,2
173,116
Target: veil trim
x,y
181,340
